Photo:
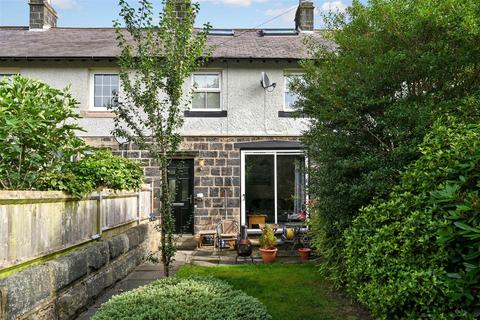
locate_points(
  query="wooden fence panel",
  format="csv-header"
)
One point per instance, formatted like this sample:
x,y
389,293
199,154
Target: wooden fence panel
x,y
37,223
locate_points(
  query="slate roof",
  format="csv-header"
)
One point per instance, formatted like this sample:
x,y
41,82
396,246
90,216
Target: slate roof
x,y
97,43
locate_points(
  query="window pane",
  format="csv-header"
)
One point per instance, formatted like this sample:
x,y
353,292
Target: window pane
x,y
114,81
206,81
259,189
213,100
98,80
105,87
290,187
290,100
198,100
97,102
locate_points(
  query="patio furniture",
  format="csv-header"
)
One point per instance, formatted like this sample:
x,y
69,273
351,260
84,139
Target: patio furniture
x,y
202,235
227,230
258,219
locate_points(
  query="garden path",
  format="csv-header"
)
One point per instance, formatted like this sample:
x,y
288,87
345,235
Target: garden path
x,y
141,275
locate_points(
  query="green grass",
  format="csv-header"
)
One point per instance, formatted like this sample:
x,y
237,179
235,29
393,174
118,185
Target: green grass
x,y
289,291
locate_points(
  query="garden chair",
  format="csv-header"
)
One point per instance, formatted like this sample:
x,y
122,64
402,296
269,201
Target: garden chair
x,y
227,230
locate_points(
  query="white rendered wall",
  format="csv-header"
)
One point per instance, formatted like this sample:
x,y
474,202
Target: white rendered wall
x,y
251,110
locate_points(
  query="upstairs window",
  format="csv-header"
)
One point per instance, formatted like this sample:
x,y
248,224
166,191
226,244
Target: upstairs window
x,y
206,91
105,89
291,97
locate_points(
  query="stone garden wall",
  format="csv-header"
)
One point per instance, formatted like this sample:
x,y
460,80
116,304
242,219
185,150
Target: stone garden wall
x,y
64,286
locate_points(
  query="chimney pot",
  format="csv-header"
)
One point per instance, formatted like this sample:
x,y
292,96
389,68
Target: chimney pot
x,y
304,17
42,15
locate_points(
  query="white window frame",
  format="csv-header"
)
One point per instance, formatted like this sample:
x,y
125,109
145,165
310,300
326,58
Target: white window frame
x,y
285,88
275,153
94,72
219,90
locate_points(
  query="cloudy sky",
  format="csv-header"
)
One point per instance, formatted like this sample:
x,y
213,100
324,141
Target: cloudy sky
x,y
220,13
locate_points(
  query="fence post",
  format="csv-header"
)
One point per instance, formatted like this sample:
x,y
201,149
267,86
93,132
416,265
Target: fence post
x,y
3,303
139,199
99,214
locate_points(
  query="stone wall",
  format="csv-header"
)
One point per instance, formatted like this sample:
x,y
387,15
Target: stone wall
x,y
63,287
219,174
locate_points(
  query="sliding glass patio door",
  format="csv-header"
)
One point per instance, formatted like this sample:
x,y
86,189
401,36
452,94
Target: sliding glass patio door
x,y
273,186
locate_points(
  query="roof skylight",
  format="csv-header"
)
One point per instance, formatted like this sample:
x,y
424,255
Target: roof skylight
x,y
279,32
221,32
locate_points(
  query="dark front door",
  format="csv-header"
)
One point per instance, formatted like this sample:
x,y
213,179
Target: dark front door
x,y
180,178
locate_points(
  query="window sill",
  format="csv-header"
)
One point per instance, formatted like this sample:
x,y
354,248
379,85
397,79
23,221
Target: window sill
x,y
290,114
205,114
97,114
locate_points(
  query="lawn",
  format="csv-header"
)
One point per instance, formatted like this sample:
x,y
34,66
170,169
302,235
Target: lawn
x,y
289,291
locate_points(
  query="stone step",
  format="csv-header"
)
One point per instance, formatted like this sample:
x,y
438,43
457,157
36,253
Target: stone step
x,y
185,242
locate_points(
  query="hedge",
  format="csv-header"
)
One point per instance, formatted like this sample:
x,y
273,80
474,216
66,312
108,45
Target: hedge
x,y
194,298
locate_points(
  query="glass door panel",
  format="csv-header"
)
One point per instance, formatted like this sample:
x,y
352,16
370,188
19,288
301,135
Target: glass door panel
x,y
259,189
291,187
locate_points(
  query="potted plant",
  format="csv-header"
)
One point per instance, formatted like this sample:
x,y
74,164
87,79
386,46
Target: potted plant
x,y
268,241
304,253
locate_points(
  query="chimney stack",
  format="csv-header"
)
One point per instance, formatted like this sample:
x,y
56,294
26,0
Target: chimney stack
x,y
304,16
42,15
181,8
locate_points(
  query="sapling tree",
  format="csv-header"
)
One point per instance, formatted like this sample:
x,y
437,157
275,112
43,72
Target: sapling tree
x,y
157,55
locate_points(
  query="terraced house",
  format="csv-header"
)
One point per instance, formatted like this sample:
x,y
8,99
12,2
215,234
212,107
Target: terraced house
x,y
240,157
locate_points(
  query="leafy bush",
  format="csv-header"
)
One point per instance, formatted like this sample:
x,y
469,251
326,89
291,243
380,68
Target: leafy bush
x,y
97,170
193,298
398,65
38,141
416,256
37,131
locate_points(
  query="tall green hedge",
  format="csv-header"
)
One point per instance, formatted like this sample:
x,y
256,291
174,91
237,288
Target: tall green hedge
x,y
416,255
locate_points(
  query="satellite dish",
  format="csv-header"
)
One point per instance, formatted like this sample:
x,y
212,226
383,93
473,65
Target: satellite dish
x,y
265,82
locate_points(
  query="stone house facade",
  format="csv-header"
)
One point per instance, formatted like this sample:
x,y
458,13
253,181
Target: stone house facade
x,y
240,155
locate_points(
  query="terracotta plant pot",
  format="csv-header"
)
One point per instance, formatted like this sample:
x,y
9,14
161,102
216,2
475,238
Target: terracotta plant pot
x,y
268,255
304,253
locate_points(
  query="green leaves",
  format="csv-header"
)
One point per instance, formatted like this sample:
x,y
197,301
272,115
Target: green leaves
x,y
97,170
194,298
416,254
37,131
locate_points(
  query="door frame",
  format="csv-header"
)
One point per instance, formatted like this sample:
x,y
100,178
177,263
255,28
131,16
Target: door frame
x,y
275,153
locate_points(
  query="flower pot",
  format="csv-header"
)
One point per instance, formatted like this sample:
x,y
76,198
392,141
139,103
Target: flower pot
x,y
268,255
304,253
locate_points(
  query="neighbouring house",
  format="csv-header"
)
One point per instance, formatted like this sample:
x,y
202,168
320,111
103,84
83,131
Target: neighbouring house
x,y
241,156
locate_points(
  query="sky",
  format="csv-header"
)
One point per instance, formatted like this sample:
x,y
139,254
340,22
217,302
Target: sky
x,y
220,13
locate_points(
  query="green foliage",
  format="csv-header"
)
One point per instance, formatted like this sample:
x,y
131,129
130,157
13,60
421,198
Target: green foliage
x,y
268,239
155,61
415,256
97,170
37,131
398,65
196,298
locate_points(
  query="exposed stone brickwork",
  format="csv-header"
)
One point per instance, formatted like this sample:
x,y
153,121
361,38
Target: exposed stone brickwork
x,y
63,287
218,179
42,14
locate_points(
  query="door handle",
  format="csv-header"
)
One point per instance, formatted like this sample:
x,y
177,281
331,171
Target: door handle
x,y
178,204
